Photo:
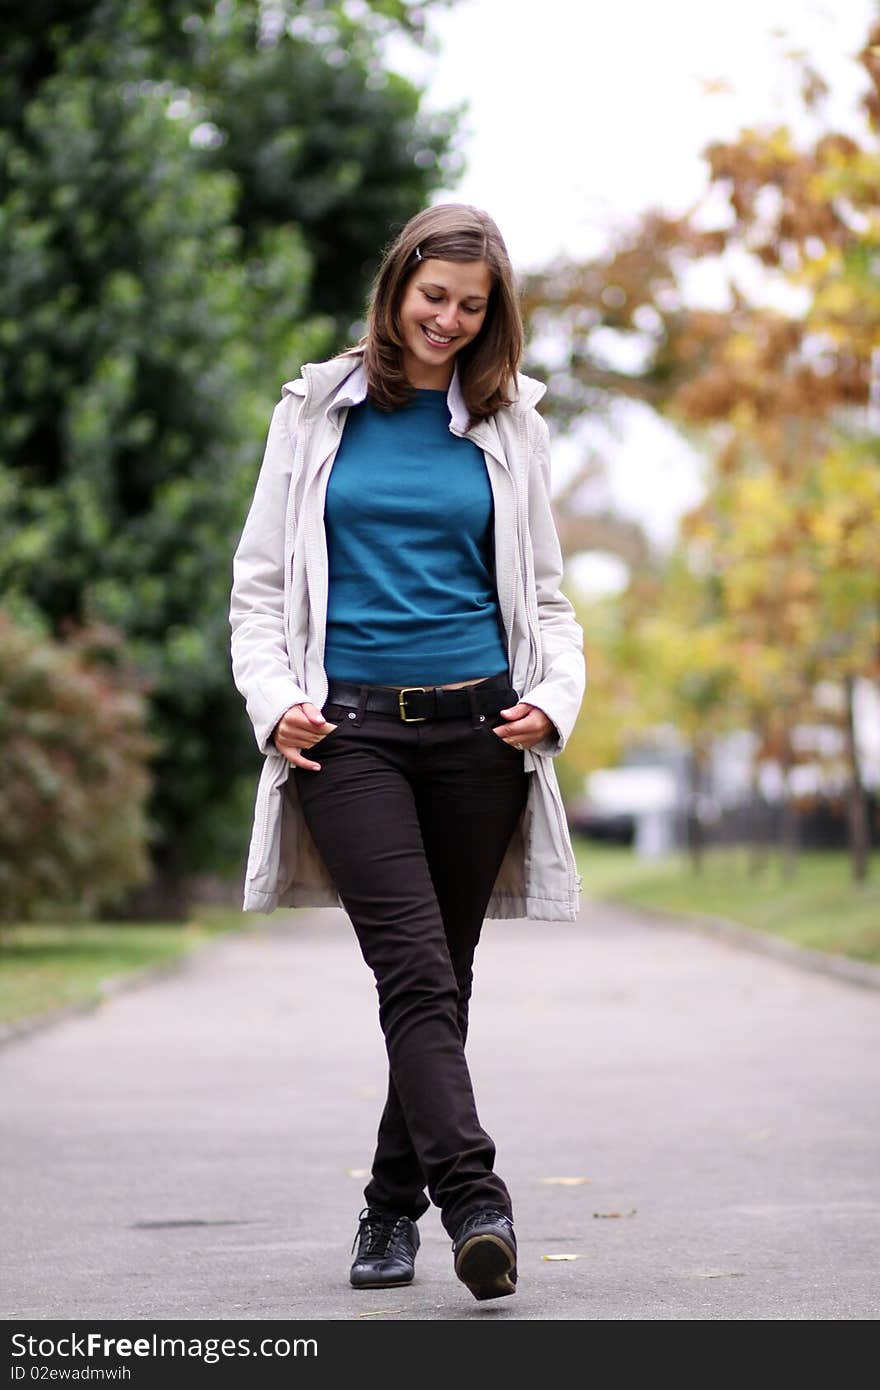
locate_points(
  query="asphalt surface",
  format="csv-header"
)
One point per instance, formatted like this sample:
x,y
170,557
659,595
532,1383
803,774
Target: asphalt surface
x,y
192,1148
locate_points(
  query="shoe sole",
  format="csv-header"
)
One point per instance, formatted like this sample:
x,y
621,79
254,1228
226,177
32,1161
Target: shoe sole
x,y
382,1284
486,1265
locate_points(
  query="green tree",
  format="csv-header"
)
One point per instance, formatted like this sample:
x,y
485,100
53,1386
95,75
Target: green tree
x,y
319,136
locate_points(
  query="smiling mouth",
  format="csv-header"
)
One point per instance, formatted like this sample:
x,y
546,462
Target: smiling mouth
x,y
435,339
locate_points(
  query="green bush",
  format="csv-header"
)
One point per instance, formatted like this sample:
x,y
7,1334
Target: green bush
x,y
73,776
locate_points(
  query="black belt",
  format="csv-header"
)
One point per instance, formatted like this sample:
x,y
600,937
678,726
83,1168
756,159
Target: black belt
x,y
416,702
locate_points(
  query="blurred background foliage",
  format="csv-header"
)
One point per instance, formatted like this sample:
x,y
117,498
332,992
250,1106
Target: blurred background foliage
x,y
73,775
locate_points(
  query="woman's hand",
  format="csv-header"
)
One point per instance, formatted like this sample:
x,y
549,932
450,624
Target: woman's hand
x,y
526,725
301,726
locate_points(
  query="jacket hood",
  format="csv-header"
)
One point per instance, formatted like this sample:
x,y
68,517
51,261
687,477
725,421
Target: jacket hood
x,y
342,381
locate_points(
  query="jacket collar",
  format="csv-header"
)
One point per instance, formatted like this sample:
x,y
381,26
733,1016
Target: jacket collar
x,y
342,381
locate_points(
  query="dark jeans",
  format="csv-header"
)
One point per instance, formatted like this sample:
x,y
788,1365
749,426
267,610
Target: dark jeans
x,y
412,821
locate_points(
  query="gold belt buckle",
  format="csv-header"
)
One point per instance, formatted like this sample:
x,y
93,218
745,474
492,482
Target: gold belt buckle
x,y
408,690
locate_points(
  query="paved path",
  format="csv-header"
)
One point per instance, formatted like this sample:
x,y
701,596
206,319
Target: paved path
x,y
185,1151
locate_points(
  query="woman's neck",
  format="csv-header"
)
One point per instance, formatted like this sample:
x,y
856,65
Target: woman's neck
x,y
428,378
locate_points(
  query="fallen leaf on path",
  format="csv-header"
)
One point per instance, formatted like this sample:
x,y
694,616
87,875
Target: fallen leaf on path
x,y
380,1313
560,1257
566,1182
614,1215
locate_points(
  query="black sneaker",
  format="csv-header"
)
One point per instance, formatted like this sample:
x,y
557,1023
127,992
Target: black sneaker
x,y
386,1254
484,1251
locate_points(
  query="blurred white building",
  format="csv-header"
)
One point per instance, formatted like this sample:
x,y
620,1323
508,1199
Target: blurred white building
x,y
646,800
647,795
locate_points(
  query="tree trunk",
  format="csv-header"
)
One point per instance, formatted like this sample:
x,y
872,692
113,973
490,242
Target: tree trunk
x,y
858,832
789,828
757,831
695,840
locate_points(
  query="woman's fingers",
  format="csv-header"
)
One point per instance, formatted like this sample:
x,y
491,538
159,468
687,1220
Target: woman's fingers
x,y
528,728
302,738
300,719
296,758
299,729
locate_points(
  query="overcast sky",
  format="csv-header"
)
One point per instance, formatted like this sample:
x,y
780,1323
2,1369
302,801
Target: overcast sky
x,y
581,114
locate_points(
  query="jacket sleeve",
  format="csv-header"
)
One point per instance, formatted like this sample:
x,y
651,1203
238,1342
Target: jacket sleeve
x,y
561,690
260,663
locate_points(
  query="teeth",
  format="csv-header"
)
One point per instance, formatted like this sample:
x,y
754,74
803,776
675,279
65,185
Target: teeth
x,y
435,337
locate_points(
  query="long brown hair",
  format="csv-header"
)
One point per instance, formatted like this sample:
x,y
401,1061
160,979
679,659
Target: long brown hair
x,y
487,366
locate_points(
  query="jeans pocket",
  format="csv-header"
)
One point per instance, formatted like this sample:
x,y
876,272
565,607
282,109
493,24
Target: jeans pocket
x,y
338,715
494,721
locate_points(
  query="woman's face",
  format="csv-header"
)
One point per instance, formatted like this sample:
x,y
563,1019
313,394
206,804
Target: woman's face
x,y
443,308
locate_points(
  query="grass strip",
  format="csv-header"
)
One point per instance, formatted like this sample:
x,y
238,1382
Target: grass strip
x,y
820,907
47,966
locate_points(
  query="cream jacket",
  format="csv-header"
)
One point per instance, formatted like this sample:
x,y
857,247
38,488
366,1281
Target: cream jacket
x,y
278,612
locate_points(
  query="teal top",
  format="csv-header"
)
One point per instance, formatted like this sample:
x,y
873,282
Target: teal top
x,y
409,521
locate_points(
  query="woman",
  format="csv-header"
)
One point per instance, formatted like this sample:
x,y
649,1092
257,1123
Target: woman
x,y
411,668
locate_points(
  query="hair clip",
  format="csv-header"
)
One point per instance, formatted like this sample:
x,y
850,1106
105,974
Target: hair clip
x,y
417,253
